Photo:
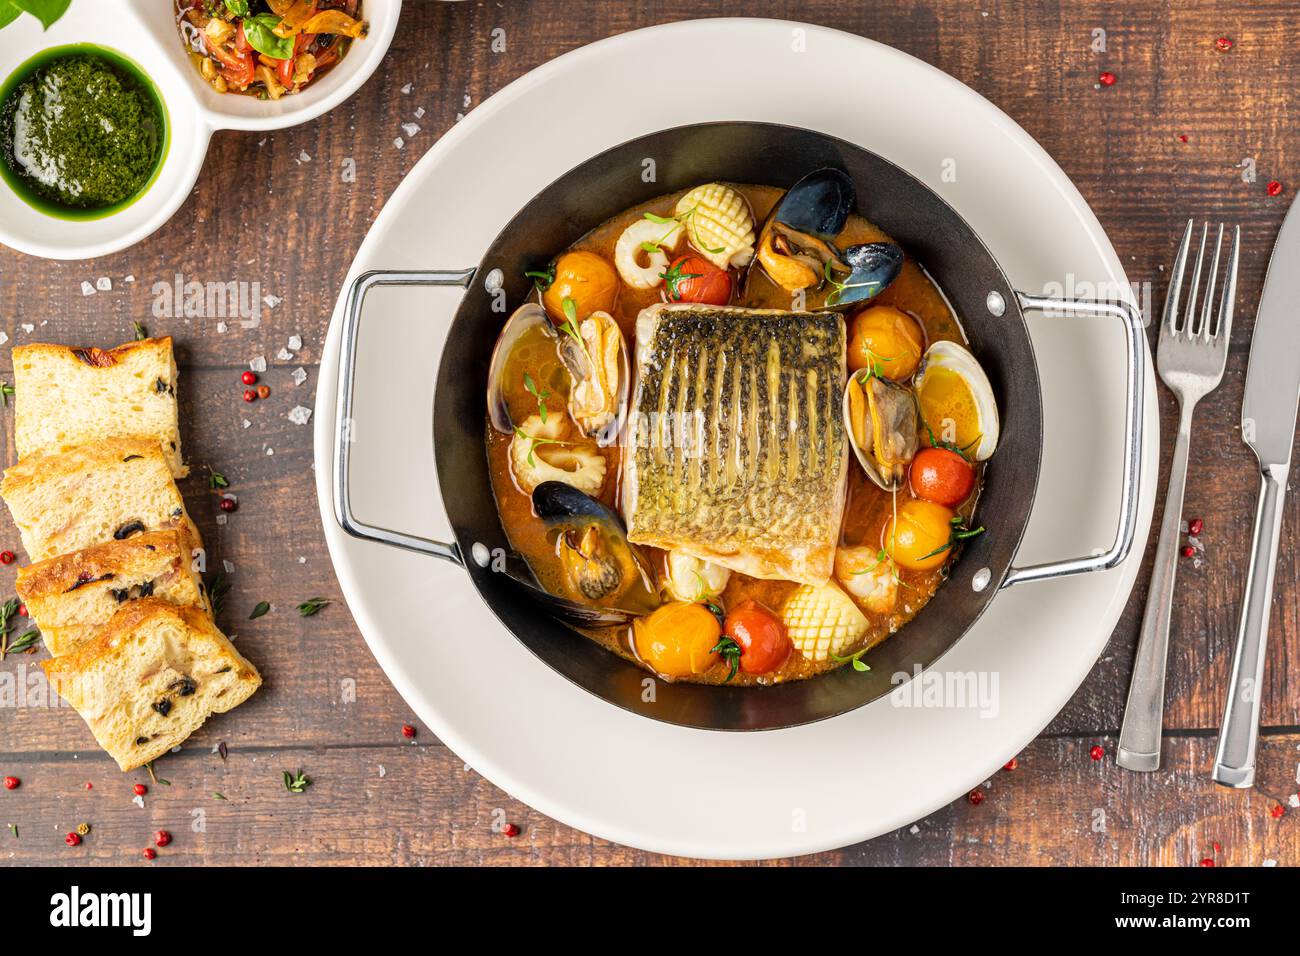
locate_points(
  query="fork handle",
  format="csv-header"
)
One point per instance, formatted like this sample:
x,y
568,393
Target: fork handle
x,y
1234,764
1139,737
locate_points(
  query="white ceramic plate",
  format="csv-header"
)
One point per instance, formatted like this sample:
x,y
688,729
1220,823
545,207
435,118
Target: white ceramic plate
x,y
648,784
145,31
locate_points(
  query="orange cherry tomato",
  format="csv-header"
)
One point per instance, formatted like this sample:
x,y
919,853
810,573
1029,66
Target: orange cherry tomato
x,y
764,645
585,278
677,640
693,278
920,537
942,476
886,339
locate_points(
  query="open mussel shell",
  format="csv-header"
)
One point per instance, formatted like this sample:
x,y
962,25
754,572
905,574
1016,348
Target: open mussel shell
x,y
603,573
527,321
797,241
600,376
881,421
872,267
946,369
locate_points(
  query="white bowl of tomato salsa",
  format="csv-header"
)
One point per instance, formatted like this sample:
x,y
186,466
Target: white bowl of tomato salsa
x,y
143,36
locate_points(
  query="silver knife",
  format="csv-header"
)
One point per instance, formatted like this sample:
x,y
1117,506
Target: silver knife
x,y
1268,420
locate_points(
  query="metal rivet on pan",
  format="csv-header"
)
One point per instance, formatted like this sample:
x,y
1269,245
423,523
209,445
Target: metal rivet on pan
x,y
996,304
493,280
480,553
982,576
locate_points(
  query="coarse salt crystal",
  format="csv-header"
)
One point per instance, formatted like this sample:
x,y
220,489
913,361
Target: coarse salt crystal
x,y
399,143
221,519
104,284
246,423
915,829
27,327
303,157
4,337
406,90
1294,801
302,559
229,566
270,451
383,772
138,801
295,342
258,364
410,129
87,288
272,301
222,327
1270,862
130,278
419,112
300,415
284,355
299,375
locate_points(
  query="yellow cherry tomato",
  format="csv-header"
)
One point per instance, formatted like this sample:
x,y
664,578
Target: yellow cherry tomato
x,y
885,338
677,640
587,279
920,538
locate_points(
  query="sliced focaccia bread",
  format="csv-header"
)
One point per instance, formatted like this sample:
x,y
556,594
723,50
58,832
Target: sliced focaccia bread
x,y
66,397
150,677
72,595
107,490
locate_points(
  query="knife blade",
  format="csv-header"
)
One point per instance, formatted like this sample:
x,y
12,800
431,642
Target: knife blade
x,y
1268,419
1268,409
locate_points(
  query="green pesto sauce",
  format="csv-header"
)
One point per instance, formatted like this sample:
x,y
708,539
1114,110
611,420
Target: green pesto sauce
x,y
83,131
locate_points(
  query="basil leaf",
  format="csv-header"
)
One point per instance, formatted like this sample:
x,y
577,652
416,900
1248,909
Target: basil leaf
x,y
260,31
47,11
8,13
238,8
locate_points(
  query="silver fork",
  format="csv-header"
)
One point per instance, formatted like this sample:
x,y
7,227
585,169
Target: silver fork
x,y
1190,357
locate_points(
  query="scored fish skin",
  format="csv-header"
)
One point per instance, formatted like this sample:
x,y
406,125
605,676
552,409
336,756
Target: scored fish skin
x,y
735,449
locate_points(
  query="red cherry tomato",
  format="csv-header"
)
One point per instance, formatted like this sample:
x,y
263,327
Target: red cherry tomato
x,y
284,71
692,278
241,40
942,476
764,645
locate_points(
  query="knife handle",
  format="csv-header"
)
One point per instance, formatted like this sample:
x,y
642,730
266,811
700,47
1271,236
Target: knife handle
x,y
1139,735
1234,764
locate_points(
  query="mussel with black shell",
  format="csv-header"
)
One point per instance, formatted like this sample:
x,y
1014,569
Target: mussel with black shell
x,y
797,250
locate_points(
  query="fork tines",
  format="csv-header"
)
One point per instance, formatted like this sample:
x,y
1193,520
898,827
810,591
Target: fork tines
x,y
1192,325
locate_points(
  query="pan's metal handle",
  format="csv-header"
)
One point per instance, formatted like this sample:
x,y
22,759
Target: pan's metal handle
x,y
343,415
1135,341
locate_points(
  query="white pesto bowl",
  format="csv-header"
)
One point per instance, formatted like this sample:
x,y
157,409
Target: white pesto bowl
x,y
144,31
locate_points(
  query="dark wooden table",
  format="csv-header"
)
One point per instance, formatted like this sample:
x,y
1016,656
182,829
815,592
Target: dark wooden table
x,y
1169,139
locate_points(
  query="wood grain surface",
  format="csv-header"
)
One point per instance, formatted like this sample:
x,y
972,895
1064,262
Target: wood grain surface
x,y
275,209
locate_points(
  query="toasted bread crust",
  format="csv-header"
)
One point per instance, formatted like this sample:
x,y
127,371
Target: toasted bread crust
x,y
67,396
133,555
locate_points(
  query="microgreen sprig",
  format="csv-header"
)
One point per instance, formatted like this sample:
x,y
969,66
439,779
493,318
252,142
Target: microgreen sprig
x,y
838,288
534,441
674,277
538,393
958,533
730,652
542,278
855,659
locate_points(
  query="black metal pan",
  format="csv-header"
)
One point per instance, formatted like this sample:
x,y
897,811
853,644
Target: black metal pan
x,y
928,229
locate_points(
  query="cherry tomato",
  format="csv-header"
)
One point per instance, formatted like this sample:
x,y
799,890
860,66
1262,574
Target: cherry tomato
x,y
886,338
241,40
692,278
677,640
764,645
587,279
942,476
919,539
236,67
284,71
